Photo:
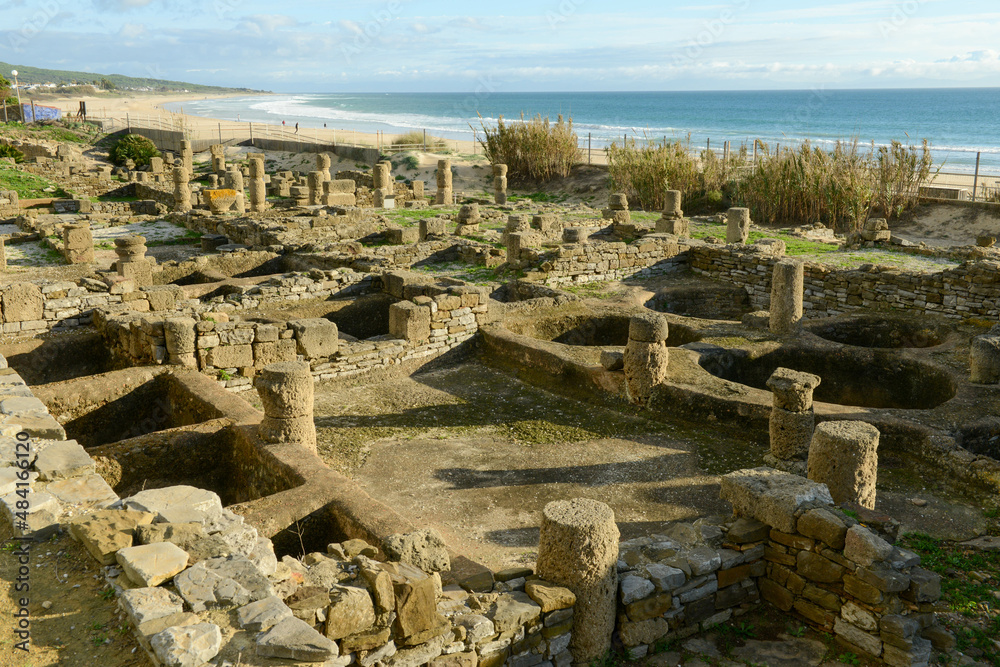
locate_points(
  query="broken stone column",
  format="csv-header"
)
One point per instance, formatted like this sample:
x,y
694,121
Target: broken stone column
x,y
792,418
182,190
179,334
132,264
286,390
234,182
323,164
156,165
213,182
315,184
187,157
500,183
844,456
787,286
516,224
737,225
218,158
646,355
78,244
672,221
617,211
258,189
984,359
468,220
445,192
578,549
3,254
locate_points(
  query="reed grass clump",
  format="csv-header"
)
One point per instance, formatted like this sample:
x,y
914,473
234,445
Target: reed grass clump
x,y
415,138
535,149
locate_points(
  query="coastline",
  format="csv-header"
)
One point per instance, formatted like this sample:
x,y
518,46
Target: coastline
x,y
152,106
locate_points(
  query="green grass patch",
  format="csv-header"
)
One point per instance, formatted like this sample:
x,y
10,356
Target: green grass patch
x,y
29,186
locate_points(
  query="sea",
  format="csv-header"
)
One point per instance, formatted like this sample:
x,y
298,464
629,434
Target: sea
x,y
959,123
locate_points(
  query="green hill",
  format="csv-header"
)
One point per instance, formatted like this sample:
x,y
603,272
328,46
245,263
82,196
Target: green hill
x,y
30,75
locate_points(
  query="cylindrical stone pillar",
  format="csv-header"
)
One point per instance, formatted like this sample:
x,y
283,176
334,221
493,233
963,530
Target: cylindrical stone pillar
x,y
180,339
286,390
984,359
444,183
182,190
258,189
187,157
578,549
315,184
737,225
323,163
844,456
500,184
672,205
792,418
787,286
646,355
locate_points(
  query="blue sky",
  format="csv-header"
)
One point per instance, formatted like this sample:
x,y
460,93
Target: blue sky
x,y
546,45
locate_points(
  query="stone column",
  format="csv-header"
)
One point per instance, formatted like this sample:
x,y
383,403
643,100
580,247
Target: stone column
x,y
179,334
234,181
218,158
182,190
737,225
258,189
578,549
187,157
984,359
213,182
787,286
646,355
500,183
132,264
315,187
78,244
579,235
672,221
387,183
3,254
516,224
323,164
792,418
844,456
286,390
445,192
617,211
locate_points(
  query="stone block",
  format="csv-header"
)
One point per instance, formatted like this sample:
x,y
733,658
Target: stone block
x,y
22,302
152,564
824,525
771,496
843,455
315,338
409,321
62,460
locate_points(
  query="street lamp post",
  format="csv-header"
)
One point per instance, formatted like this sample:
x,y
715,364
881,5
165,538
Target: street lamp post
x,y
17,89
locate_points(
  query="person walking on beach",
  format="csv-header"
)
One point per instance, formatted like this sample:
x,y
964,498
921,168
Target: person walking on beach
x,y
296,128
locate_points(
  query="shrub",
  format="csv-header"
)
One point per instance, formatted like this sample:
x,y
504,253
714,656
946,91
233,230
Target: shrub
x,y
532,150
417,139
6,150
645,172
135,147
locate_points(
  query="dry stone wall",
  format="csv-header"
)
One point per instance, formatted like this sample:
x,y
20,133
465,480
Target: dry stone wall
x,y
654,254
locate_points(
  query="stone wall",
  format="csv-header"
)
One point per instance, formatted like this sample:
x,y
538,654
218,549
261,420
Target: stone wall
x,y
969,290
654,254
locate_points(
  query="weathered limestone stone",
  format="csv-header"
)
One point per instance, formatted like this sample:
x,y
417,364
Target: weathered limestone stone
x,y
433,227
613,360
500,184
444,183
189,646
771,496
577,234
132,263
263,614
409,321
578,549
258,189
416,607
646,357
791,433
62,460
351,611
323,164
78,244
22,302
218,152
737,225
844,456
984,359
315,338
548,596
105,532
864,547
230,356
787,285
152,564
179,334
220,200
423,549
296,640
793,390
286,390
234,182
672,221
40,519
402,235
876,230
170,502
824,525
147,604
84,491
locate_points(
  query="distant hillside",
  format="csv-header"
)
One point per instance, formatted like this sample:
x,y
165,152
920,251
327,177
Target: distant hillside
x,y
30,75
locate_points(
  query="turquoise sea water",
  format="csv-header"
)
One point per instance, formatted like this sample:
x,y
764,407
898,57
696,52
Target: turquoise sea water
x,y
958,122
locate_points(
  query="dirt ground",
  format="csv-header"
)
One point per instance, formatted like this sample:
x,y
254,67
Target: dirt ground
x,y
946,225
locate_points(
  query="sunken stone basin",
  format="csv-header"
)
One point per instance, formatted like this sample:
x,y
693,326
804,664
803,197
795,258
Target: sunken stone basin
x,y
592,330
881,331
867,378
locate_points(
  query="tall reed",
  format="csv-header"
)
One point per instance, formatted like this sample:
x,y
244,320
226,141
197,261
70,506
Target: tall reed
x,y
533,149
